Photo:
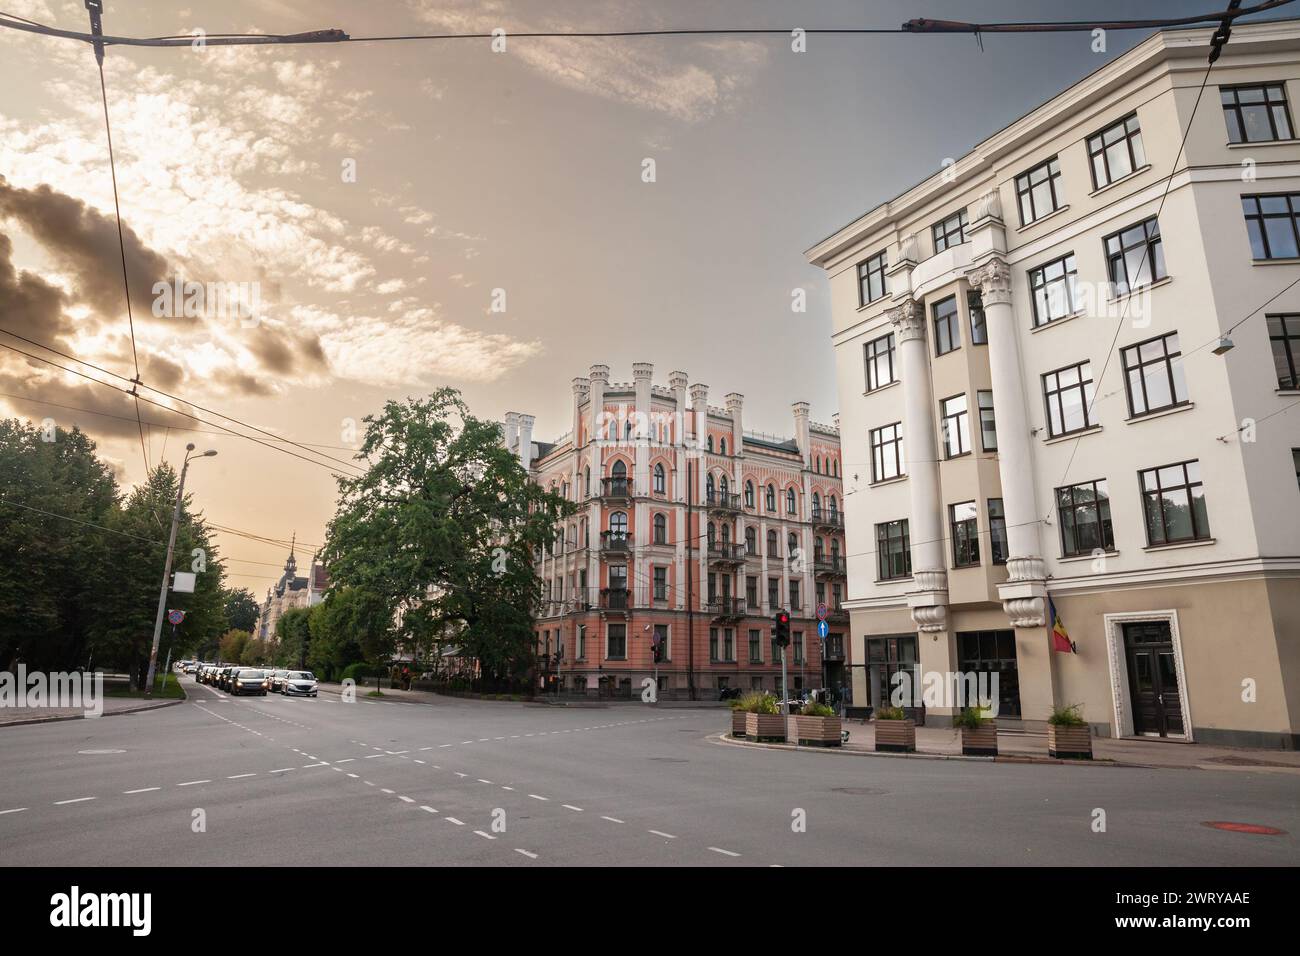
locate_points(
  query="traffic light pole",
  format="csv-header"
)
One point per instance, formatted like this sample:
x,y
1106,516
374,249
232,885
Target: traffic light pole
x,y
785,688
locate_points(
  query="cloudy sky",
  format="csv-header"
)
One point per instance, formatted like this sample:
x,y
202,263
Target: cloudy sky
x,y
474,171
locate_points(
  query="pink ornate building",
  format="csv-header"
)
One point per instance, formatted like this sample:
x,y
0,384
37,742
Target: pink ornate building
x,y
690,533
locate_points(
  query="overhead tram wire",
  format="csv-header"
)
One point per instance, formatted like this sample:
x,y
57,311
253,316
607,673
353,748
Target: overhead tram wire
x,y
916,26
175,398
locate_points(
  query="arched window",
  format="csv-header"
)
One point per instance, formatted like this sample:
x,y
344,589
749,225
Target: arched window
x,y
817,549
771,497
661,529
726,535
713,534
817,464
749,494
836,465
789,501
751,541
835,548
791,543
586,542
817,503
833,506
618,524
586,479
722,486
619,470
708,487
772,551
661,483
627,428
724,446
564,490
710,443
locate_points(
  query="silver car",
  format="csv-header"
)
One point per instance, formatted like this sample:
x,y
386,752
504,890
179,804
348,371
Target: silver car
x,y
298,683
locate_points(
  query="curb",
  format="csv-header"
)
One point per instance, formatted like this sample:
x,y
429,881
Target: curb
x,y
840,751
156,705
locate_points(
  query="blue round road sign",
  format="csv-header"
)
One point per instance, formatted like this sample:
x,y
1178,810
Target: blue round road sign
x,y
822,629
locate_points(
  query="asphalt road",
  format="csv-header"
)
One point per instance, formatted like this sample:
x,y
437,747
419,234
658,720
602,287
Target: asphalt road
x,y
328,783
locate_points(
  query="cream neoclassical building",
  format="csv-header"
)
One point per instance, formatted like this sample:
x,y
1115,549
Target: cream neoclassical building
x,y
1038,408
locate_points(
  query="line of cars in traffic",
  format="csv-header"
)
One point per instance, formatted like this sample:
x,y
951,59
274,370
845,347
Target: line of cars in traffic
x,y
238,680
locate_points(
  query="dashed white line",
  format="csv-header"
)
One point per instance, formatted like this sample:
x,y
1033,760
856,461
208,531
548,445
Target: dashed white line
x,y
486,836
666,836
405,799
537,797
282,770
353,776
459,823
59,803
14,810
192,783
386,790
241,776
531,856
718,849
427,809
612,819
142,790
569,806
481,780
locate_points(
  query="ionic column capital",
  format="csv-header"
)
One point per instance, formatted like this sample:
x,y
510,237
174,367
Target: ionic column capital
x,y
993,279
908,320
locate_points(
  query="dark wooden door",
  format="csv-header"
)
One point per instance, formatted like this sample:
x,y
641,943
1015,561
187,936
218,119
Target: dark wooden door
x,y
1153,679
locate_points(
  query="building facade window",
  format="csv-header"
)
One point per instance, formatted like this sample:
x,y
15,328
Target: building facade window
x,y
794,595
1053,289
1284,338
773,593
979,330
792,544
871,279
791,507
1068,393
713,645
770,496
1116,151
581,649
660,529
988,423
955,415
1153,375
751,541
947,330
660,479
618,526
1256,114
755,646
749,494
772,550
992,652
1084,514
949,232
1273,224
879,357
1135,257
796,641
664,640
751,593
998,548
1038,191
616,642
963,523
886,452
893,550
661,584
1174,503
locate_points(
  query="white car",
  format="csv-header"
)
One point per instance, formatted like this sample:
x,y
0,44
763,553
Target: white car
x,y
298,683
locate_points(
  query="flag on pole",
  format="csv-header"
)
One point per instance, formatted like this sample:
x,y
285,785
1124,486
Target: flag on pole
x,y
1060,636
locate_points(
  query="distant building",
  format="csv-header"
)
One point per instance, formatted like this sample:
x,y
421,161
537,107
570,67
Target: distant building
x,y
690,533
291,591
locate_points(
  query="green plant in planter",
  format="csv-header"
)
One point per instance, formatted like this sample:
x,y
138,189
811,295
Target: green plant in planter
x,y
1067,715
813,709
756,702
972,718
890,713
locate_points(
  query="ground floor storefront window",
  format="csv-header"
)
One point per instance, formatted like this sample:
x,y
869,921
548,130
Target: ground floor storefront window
x,y
988,653
887,657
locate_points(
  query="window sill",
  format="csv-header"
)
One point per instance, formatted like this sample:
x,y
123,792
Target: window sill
x,y
1042,219
1161,413
878,390
1179,545
1055,322
1077,433
893,580
1275,262
1144,288
1286,391
887,481
1066,559
964,454
873,303
1123,179
1264,142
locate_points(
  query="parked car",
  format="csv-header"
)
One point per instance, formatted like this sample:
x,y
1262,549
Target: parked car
x,y
297,683
225,676
247,680
277,678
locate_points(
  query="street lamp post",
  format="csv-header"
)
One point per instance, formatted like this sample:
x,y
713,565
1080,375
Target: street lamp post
x,y
167,569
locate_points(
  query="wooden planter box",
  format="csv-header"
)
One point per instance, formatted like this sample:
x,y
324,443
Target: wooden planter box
x,y
980,741
1070,743
738,723
818,731
769,727
896,736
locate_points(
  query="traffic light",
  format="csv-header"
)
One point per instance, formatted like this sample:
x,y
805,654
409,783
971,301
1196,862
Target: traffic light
x,y
781,628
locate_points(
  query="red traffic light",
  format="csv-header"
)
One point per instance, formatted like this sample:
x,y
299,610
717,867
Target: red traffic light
x,y
783,617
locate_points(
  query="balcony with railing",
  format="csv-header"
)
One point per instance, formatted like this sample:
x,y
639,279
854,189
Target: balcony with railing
x,y
829,518
726,608
837,616
724,553
615,601
615,543
829,566
615,489
721,502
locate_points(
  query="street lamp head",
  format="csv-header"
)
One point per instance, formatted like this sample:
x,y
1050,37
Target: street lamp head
x,y
211,452
190,446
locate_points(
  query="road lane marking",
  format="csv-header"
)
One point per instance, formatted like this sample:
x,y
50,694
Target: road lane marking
x,y
666,836
440,746
14,810
612,819
240,776
459,823
308,766
346,760
569,806
419,761
386,790
282,770
504,787
481,780
367,783
536,797
192,783
353,776
427,809
486,836
405,799
59,803
142,790
718,849
531,856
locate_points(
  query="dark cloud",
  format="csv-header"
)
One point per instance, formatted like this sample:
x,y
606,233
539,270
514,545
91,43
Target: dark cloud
x,y
29,305
285,353
84,241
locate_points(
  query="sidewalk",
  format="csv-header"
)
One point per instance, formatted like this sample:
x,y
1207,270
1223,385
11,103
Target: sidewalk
x,y
1131,752
433,697
113,707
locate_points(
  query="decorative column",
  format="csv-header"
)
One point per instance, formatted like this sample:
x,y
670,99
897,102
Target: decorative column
x,y
1024,594
928,599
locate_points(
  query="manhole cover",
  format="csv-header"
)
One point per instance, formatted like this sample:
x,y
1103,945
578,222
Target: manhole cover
x,y
97,753
859,791
1243,828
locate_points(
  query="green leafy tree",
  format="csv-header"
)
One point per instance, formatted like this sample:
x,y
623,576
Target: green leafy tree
x,y
254,653
233,644
339,626
442,529
293,633
242,609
